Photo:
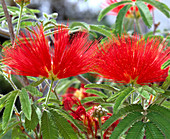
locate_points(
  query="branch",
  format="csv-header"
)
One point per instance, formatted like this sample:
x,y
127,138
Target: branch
x,y
82,79
9,21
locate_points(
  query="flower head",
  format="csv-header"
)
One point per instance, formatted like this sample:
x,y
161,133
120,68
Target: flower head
x,y
33,56
129,13
132,60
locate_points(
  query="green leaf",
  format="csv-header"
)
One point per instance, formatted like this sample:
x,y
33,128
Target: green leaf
x,y
63,126
31,124
123,111
70,118
166,64
159,5
113,97
121,98
3,100
101,30
136,131
33,91
90,99
120,17
159,90
166,83
152,131
49,130
149,89
35,84
160,122
125,123
143,93
79,24
98,93
17,133
101,86
9,108
109,8
145,13
25,103
164,112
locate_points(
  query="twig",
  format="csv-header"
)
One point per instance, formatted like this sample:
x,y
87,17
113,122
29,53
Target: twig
x,y
82,79
9,21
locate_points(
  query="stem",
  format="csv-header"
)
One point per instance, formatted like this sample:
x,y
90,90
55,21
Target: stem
x,y
132,98
20,15
162,101
49,91
8,18
55,93
138,26
100,124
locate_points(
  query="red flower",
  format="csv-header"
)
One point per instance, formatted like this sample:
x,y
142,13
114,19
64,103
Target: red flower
x,y
132,60
116,10
33,56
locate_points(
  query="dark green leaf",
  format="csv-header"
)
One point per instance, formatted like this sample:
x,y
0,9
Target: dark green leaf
x,y
152,131
120,17
120,99
63,126
101,86
49,130
109,8
145,13
25,103
160,122
31,124
159,5
113,97
136,131
9,108
17,133
125,123
161,110
101,30
33,91
123,111
98,93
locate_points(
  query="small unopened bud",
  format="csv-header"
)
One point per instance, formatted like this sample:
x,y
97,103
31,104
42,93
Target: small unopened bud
x,y
99,111
22,2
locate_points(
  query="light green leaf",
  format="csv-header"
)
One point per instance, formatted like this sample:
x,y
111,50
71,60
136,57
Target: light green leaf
x,y
34,91
101,30
166,83
149,89
136,131
3,100
25,103
35,84
109,8
101,86
90,99
123,111
143,93
120,17
113,97
159,5
49,130
145,13
9,108
120,99
125,123
98,93
79,24
153,132
166,64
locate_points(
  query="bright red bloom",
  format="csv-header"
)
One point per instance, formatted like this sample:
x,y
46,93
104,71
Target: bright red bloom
x,y
129,13
71,55
133,60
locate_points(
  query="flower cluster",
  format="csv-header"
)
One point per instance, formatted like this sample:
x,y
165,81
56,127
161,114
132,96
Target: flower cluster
x,y
32,54
132,60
